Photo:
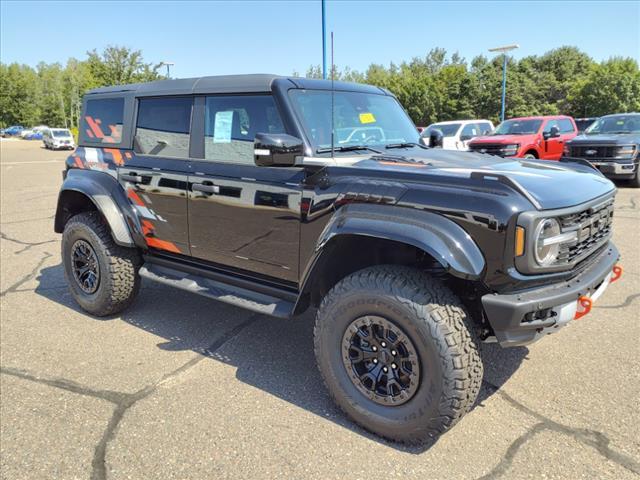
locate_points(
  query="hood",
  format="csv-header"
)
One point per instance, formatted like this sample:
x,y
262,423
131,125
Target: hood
x,y
606,139
552,184
503,139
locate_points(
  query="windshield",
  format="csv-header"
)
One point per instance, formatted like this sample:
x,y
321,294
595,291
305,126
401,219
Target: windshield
x,y
447,129
518,127
615,124
61,133
360,119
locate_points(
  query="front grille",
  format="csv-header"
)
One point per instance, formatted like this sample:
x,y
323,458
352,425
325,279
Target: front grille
x,y
594,229
593,151
490,148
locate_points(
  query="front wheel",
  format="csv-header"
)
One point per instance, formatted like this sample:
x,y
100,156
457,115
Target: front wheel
x,y
635,181
398,352
102,276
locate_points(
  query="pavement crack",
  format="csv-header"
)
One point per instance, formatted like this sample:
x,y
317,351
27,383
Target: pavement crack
x,y
27,277
626,303
27,245
64,384
123,401
631,206
592,438
99,468
28,220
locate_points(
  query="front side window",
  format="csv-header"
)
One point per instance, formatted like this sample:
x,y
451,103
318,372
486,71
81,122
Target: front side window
x,y
359,119
447,129
518,127
163,126
102,120
550,124
470,130
232,122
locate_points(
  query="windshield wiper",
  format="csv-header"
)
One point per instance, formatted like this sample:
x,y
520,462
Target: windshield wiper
x,y
404,145
346,148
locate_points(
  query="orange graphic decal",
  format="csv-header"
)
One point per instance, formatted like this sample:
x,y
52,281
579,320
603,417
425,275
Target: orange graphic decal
x,y
78,162
128,155
95,126
148,231
133,196
116,154
89,134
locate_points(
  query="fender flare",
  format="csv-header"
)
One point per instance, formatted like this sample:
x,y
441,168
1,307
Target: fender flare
x,y
106,194
446,241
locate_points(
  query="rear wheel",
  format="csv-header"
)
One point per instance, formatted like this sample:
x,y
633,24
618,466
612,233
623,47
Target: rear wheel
x,y
102,276
398,353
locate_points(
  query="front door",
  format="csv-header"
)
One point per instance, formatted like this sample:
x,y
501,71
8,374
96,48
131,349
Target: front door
x,y
552,146
241,215
155,177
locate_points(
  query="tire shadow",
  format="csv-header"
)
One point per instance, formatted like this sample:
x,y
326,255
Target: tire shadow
x,y
270,354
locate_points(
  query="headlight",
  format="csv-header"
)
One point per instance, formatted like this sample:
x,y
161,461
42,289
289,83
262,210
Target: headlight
x,y
509,150
546,245
626,151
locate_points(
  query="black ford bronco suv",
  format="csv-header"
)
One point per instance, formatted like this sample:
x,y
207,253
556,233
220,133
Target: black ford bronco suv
x,y
278,194
612,145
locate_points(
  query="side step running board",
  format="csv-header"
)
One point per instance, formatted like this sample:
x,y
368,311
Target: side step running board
x,y
223,292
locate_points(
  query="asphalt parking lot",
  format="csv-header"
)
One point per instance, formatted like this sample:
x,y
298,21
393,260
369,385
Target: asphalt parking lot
x,y
182,387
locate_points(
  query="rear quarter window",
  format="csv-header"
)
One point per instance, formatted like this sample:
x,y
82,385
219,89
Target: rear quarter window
x,y
102,121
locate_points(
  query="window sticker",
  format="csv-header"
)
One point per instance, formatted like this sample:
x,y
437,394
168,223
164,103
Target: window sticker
x,y
222,127
620,122
367,117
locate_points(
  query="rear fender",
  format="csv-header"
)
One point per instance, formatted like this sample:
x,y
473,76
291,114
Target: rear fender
x,y
108,197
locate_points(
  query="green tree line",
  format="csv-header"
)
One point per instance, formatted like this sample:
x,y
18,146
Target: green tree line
x,y
440,87
51,94
436,87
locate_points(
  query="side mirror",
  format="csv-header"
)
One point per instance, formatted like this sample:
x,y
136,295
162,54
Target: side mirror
x,y
553,132
487,132
276,149
436,138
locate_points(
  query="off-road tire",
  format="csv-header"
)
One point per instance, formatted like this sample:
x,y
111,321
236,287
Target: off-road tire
x,y
436,322
119,281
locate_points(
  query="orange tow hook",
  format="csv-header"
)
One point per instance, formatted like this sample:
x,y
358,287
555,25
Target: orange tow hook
x,y
617,273
584,307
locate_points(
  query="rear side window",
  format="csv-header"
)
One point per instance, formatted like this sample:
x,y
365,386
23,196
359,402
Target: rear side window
x,y
163,126
102,121
565,126
231,124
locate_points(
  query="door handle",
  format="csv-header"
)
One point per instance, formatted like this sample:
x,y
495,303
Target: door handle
x,y
205,188
131,177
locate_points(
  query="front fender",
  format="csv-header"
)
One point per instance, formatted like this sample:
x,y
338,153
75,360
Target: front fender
x,y
110,200
447,242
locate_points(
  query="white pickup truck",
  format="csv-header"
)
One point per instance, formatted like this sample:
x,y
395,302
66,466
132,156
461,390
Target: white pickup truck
x,y
457,133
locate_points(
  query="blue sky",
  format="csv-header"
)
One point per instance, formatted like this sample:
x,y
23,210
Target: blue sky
x,y
210,38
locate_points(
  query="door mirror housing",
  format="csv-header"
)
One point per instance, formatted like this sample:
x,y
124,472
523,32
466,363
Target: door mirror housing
x,y
276,149
553,132
436,138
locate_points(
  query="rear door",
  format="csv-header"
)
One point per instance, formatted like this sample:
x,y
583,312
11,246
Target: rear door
x,y
241,215
155,177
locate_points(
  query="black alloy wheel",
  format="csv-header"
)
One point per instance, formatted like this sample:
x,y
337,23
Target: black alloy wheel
x,y
86,269
381,360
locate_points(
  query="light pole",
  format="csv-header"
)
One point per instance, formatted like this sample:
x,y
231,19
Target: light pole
x,y
504,51
168,65
324,42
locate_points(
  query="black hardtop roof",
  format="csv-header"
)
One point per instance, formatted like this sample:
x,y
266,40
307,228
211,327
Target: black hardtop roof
x,y
252,83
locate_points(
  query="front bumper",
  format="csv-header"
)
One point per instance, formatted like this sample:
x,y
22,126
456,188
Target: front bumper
x,y
619,168
524,317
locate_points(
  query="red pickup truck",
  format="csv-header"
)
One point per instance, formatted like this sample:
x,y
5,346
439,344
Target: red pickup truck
x,y
528,137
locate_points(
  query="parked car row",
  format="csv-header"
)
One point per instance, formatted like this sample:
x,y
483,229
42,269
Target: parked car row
x,y
611,143
52,138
